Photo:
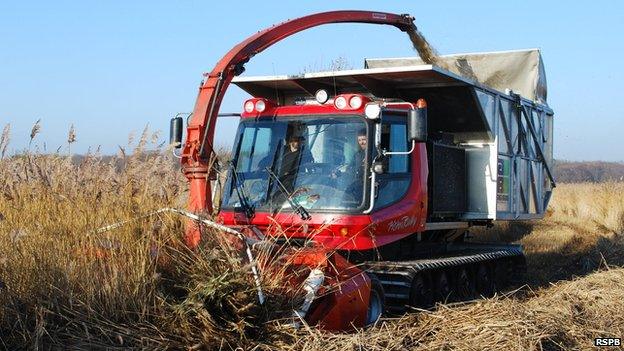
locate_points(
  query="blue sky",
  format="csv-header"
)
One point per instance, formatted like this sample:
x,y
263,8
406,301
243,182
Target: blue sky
x,y
111,67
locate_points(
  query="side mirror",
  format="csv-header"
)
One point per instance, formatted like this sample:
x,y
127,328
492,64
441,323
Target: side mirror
x,y
418,122
377,135
175,132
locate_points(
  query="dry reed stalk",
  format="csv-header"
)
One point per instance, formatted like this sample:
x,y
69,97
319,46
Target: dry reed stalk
x,y
5,138
591,205
71,135
36,128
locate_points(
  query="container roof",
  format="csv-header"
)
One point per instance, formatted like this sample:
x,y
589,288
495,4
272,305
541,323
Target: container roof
x,y
452,103
519,70
385,82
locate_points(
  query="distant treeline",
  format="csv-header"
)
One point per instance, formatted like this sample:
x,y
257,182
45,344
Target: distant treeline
x,y
588,171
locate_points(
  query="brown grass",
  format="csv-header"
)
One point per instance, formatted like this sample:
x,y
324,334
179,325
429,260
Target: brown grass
x,y
583,230
63,287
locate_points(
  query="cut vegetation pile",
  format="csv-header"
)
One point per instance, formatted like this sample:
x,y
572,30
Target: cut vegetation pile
x,y
566,316
63,286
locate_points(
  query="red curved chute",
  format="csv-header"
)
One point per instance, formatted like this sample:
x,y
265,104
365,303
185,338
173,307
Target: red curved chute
x,y
200,131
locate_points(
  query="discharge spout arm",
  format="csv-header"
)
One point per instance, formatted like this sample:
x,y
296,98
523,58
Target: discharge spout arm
x,y
198,148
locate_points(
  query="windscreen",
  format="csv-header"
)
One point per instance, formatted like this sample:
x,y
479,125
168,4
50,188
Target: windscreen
x,y
316,163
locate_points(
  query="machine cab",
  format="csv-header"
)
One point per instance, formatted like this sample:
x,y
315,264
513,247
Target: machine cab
x,y
309,159
322,162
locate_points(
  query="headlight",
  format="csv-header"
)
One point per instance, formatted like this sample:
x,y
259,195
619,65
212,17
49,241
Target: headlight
x,y
372,111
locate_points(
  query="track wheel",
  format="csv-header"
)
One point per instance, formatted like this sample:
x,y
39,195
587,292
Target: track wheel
x,y
502,271
442,286
420,294
376,301
464,284
485,280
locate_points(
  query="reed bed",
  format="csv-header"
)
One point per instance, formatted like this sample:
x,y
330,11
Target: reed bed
x,y
64,286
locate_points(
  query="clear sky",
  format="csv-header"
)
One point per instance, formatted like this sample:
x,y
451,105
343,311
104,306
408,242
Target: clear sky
x,y
111,67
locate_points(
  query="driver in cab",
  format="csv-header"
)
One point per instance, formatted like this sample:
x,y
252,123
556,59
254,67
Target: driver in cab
x,y
293,157
358,164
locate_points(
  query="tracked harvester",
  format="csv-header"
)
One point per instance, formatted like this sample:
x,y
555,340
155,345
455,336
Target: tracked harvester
x,y
379,172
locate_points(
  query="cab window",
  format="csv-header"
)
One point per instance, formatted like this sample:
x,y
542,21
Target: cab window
x,y
394,182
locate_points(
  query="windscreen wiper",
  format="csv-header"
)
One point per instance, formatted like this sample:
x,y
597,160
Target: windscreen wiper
x,y
240,192
305,215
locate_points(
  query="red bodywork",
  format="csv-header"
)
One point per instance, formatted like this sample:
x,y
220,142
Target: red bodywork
x,y
363,232
346,307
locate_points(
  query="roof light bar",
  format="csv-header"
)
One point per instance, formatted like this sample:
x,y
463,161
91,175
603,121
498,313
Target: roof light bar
x,y
260,105
350,101
340,102
355,102
257,105
249,106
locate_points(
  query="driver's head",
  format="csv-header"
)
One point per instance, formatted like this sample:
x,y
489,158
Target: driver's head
x,y
294,142
362,138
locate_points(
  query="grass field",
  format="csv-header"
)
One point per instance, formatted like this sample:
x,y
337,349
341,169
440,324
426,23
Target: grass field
x,y
63,286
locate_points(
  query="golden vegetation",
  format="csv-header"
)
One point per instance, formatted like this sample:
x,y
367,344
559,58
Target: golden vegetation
x,y
63,286
583,231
